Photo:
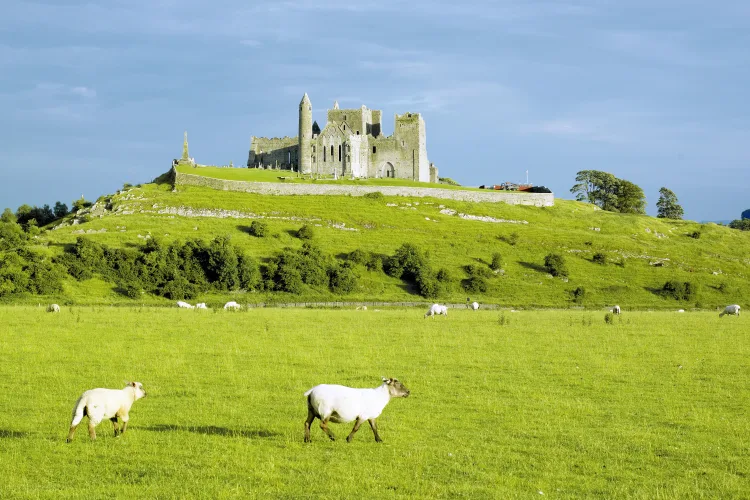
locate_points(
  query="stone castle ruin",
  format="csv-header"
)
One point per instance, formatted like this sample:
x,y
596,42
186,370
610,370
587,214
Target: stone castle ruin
x,y
351,145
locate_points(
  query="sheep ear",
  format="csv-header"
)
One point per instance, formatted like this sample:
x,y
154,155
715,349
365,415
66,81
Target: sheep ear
x,y
385,380
132,383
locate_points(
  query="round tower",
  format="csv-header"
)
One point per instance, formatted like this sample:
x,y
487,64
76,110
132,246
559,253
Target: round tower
x,y
305,135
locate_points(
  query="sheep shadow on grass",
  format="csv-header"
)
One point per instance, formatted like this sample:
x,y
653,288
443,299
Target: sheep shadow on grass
x,y
212,430
6,434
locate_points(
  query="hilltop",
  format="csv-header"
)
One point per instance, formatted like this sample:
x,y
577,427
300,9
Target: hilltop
x,y
640,253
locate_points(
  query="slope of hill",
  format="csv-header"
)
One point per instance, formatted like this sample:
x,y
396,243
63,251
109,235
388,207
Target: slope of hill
x,y
641,252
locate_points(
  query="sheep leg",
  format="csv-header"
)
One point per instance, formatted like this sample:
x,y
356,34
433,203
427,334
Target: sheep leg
x,y
124,426
375,430
92,430
114,424
310,419
324,426
71,433
355,429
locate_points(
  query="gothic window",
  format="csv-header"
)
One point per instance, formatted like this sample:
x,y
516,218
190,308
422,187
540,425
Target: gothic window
x,y
332,157
357,132
339,152
374,150
324,154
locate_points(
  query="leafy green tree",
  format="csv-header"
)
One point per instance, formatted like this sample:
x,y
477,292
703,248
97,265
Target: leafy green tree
x,y
8,216
741,224
555,265
746,214
60,210
630,198
667,206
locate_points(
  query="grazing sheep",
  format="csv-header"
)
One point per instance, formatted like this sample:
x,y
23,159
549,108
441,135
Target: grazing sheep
x,y
53,308
681,310
616,310
475,305
100,404
436,309
340,404
734,309
184,305
202,305
232,305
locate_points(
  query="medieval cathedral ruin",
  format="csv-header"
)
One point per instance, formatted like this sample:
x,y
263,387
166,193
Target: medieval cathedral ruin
x,y
351,145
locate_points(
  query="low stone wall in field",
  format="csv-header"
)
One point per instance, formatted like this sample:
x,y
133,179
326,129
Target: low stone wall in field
x,y
273,188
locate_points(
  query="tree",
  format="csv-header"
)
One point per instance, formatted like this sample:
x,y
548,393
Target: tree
x,y
608,192
667,206
746,214
630,198
8,216
60,210
741,224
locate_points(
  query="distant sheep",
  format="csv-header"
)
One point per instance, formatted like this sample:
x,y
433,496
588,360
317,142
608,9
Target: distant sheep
x,y
734,310
202,305
681,310
436,309
100,404
340,404
475,305
184,305
232,305
53,308
616,310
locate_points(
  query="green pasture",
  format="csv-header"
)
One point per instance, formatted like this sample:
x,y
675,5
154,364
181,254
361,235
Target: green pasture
x,y
530,404
642,253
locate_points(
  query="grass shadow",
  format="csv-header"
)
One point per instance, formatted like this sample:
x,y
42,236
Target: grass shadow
x,y
655,291
212,430
6,434
534,267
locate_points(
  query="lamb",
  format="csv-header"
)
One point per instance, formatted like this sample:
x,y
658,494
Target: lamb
x,y
184,305
100,404
475,305
53,308
734,309
616,310
232,305
340,404
201,305
436,309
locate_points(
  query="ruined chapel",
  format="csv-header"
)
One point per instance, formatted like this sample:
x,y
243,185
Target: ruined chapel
x,y
351,146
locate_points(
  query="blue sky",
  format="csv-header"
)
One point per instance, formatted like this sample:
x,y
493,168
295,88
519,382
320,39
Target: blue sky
x,y
94,94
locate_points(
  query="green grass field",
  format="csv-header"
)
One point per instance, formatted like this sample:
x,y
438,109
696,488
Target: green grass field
x,y
503,405
717,262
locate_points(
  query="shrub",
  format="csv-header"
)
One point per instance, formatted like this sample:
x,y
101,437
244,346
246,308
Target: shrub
x,y
443,275
578,294
406,262
599,258
305,232
497,262
375,195
374,262
357,257
132,290
475,284
511,239
695,235
427,285
609,318
555,265
476,270
341,279
289,280
679,290
258,228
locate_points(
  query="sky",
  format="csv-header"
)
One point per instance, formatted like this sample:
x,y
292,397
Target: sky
x,y
95,94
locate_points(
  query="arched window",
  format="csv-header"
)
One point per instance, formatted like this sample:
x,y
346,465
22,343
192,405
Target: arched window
x,y
374,150
357,132
324,153
339,152
332,157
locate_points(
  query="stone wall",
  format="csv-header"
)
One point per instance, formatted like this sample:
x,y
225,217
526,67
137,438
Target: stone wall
x,y
273,188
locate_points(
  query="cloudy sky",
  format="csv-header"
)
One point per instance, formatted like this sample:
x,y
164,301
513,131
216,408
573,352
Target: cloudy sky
x,y
97,93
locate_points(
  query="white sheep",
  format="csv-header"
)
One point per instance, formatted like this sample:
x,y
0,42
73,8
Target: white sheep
x,y
232,305
53,308
100,404
340,404
201,305
475,305
436,309
681,310
616,310
734,309
184,305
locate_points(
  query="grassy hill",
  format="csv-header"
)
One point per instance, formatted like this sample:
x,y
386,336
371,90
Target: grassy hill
x,y
641,252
